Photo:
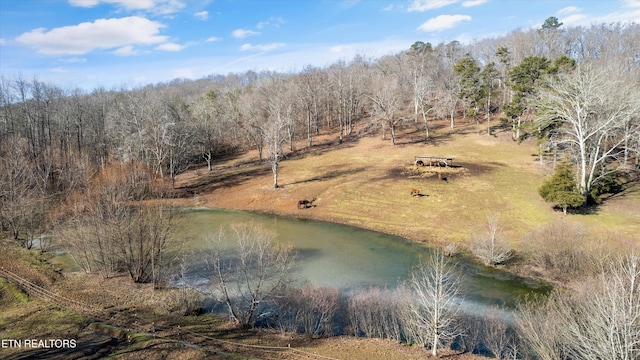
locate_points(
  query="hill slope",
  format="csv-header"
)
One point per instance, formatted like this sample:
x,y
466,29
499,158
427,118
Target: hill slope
x,y
366,182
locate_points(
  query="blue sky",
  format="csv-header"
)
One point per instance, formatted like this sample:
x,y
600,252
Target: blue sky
x,y
89,43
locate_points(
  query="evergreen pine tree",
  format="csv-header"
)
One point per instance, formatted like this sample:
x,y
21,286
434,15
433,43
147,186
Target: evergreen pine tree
x,y
562,188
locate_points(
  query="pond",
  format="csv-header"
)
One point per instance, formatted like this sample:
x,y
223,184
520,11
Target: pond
x,y
346,257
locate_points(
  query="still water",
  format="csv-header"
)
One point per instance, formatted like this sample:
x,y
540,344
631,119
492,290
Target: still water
x,y
348,258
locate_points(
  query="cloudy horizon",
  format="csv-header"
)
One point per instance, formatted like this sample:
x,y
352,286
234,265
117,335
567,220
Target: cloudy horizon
x,y
90,43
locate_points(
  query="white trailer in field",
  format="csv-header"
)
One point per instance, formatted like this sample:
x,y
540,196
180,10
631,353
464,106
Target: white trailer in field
x,y
433,161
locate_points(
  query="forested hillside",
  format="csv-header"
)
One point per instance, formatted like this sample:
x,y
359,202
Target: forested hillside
x,y
581,84
89,165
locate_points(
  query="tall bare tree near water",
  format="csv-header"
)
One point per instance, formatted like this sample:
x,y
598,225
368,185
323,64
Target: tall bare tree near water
x,y
490,247
110,231
251,273
22,196
432,315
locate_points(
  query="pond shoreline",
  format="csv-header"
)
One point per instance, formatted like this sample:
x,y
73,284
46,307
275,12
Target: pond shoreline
x,y
465,262
310,214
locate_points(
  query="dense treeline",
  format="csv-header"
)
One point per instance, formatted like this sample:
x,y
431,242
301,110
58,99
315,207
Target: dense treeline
x,y
173,125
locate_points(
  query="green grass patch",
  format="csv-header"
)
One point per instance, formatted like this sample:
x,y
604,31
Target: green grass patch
x,y
36,320
11,295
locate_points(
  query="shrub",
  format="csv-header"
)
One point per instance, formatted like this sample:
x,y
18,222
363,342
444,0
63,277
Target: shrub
x,y
489,248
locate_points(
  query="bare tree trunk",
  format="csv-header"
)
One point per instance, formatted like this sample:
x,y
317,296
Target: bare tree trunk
x,y
392,127
489,114
453,111
274,168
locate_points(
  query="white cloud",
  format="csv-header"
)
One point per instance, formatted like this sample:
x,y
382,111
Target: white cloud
x,y
262,47
59,70
273,22
243,33
84,3
574,16
371,49
443,22
126,51
154,6
100,34
202,15
424,5
74,60
170,47
623,17
568,10
574,20
213,39
340,49
626,17
470,3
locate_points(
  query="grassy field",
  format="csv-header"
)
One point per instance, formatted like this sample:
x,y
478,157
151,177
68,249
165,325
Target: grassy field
x,y
365,182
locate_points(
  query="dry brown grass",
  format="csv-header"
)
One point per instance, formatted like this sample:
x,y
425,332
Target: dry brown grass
x,y
365,182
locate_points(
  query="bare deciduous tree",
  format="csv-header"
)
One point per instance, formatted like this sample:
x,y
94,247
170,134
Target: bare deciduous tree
x,y
378,312
431,319
491,249
110,232
589,111
538,324
600,321
251,274
22,198
496,333
278,107
568,251
387,97
310,309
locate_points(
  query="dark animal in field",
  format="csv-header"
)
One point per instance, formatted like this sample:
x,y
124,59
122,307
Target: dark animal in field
x,y
303,204
415,192
443,178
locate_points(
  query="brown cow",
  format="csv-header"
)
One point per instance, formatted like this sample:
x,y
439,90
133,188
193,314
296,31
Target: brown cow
x,y
415,192
303,204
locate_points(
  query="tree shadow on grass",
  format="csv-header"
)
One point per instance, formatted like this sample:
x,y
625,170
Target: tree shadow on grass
x,y
322,148
418,136
626,185
330,175
222,179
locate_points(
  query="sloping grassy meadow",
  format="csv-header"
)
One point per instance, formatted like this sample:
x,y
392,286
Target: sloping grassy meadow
x,y
366,182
